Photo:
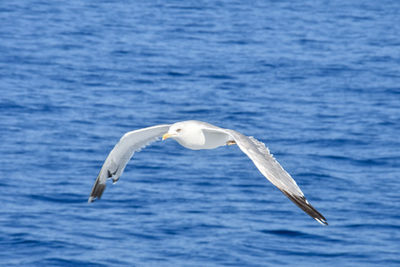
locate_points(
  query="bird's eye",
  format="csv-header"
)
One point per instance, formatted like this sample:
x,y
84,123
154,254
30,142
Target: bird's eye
x,y
178,130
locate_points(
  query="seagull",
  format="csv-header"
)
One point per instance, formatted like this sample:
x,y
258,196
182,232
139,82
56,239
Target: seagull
x,y
198,135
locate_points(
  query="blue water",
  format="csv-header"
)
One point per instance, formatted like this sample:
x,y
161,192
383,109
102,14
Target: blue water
x,y
317,81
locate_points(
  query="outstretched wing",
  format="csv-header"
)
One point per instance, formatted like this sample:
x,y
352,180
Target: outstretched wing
x,y
273,171
122,152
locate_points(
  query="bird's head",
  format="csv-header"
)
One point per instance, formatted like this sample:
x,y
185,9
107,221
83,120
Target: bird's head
x,y
175,131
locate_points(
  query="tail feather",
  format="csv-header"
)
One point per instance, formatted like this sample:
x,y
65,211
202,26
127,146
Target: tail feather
x,y
97,190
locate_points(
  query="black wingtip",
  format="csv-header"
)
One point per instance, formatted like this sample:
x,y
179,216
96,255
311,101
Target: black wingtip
x,y
97,190
303,204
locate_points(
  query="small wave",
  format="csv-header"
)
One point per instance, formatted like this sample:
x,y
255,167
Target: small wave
x,y
59,198
298,234
55,261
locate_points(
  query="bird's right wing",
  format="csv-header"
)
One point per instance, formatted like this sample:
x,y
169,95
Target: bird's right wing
x,y
122,152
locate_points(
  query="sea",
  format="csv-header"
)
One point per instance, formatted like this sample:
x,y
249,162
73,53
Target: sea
x,y
317,81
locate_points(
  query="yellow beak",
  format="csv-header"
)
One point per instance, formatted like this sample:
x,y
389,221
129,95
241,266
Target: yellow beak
x,y
166,136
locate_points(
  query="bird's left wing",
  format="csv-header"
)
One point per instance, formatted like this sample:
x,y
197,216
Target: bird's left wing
x,y
272,170
122,152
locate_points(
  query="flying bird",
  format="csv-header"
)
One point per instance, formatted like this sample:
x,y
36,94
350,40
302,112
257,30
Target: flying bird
x,y
197,135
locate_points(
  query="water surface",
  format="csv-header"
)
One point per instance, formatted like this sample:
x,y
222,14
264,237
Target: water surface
x,y
318,82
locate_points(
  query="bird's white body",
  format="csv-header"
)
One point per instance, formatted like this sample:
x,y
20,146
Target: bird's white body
x,y
201,135
193,136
